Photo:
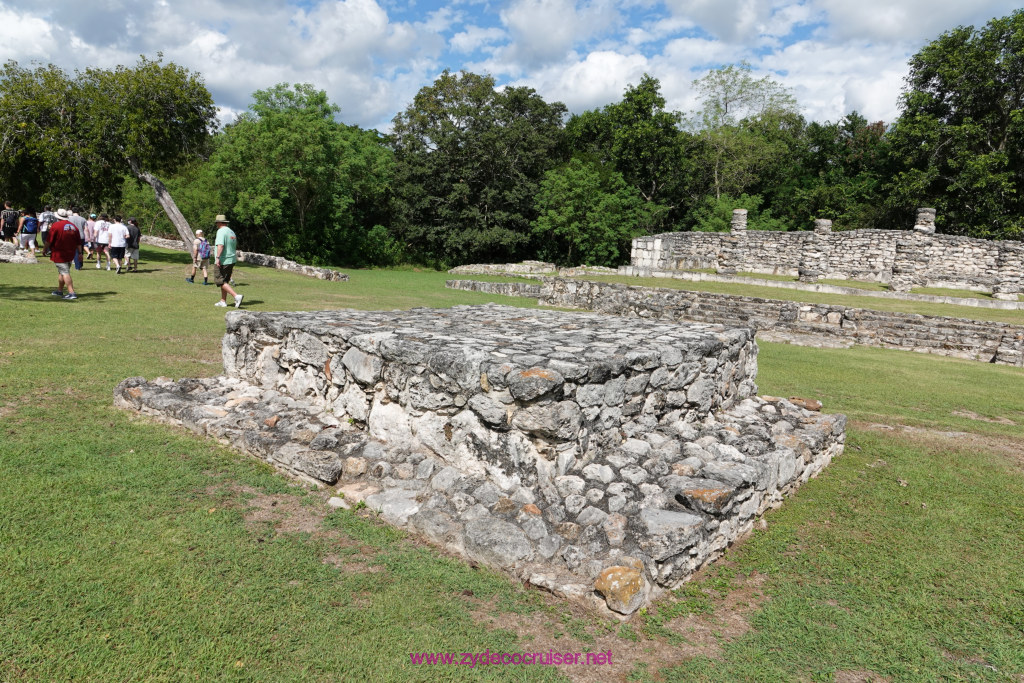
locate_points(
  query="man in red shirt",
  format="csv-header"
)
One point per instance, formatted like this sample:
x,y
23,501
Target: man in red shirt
x,y
65,245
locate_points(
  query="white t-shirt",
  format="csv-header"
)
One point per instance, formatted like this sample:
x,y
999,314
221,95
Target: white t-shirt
x,y
103,232
118,235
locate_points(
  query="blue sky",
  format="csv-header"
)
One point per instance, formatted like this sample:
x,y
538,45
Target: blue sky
x,y
371,56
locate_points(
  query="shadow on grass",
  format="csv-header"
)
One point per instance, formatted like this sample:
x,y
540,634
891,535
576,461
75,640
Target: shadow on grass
x,y
42,293
145,255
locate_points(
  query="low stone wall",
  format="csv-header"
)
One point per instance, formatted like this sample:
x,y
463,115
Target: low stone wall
x,y
903,258
530,269
590,455
291,266
175,245
256,259
799,323
1002,305
502,288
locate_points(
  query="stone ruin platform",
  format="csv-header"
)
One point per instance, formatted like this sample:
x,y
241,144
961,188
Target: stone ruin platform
x,y
599,457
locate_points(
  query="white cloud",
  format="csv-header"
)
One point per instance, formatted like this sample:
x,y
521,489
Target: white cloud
x,y
372,56
589,83
475,37
908,20
546,30
832,80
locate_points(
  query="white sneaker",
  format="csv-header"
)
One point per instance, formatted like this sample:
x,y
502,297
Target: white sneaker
x,y
222,304
238,300
97,264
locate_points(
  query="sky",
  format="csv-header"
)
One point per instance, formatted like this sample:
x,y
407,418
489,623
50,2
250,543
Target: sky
x,y
372,56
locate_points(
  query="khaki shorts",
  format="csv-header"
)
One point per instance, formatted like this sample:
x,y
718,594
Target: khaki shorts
x,y
201,263
222,273
63,268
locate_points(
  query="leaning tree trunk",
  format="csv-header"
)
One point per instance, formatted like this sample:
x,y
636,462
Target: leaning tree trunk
x,y
166,201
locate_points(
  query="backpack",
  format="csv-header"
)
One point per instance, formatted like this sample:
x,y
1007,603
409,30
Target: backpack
x,y
204,249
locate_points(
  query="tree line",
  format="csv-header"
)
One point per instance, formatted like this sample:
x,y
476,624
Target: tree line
x,y
475,173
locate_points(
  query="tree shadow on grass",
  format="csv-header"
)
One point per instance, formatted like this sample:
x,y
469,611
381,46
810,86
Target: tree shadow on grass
x,y
146,255
40,293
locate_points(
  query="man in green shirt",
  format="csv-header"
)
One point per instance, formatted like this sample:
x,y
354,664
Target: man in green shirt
x,y
225,246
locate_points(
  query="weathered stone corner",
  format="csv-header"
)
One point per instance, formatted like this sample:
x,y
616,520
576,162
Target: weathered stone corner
x,y
598,457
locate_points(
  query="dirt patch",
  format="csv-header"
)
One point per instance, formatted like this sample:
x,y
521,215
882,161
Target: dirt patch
x,y
540,633
859,676
286,512
729,620
965,443
704,635
981,418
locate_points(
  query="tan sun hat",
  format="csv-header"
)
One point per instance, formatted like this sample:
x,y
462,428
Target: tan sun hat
x,y
221,218
198,233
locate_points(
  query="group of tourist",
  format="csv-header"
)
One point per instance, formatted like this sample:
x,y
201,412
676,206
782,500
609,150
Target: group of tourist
x,y
70,239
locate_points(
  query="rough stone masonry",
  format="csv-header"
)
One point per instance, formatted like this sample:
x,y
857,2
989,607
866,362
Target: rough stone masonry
x,y
602,458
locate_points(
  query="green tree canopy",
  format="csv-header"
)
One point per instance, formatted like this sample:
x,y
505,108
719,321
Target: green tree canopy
x,y
310,187
745,129
88,130
587,215
469,159
959,140
640,139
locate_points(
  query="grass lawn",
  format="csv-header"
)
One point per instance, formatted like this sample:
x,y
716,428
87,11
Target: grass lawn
x,y
135,551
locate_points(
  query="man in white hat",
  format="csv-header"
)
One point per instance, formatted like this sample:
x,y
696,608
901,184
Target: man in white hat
x,y
200,258
225,245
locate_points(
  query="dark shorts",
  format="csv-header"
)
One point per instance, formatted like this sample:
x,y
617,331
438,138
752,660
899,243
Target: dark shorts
x,y
222,273
117,252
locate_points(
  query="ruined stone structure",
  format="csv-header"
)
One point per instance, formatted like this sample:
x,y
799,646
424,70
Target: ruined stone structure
x,y
777,320
902,258
591,455
259,260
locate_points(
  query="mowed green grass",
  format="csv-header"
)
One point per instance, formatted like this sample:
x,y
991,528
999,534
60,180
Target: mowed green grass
x,y
129,550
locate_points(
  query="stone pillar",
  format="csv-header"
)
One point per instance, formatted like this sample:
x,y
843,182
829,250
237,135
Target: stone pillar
x,y
1010,263
731,256
813,255
739,221
907,262
925,222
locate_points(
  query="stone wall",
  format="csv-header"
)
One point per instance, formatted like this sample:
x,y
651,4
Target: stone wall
x,y
591,455
256,259
903,258
799,323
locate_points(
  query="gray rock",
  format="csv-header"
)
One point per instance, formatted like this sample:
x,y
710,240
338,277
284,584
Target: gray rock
x,y
527,385
447,479
601,473
575,503
591,516
425,469
365,368
490,411
548,546
668,533
573,556
633,474
558,422
569,484
534,527
394,505
497,542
